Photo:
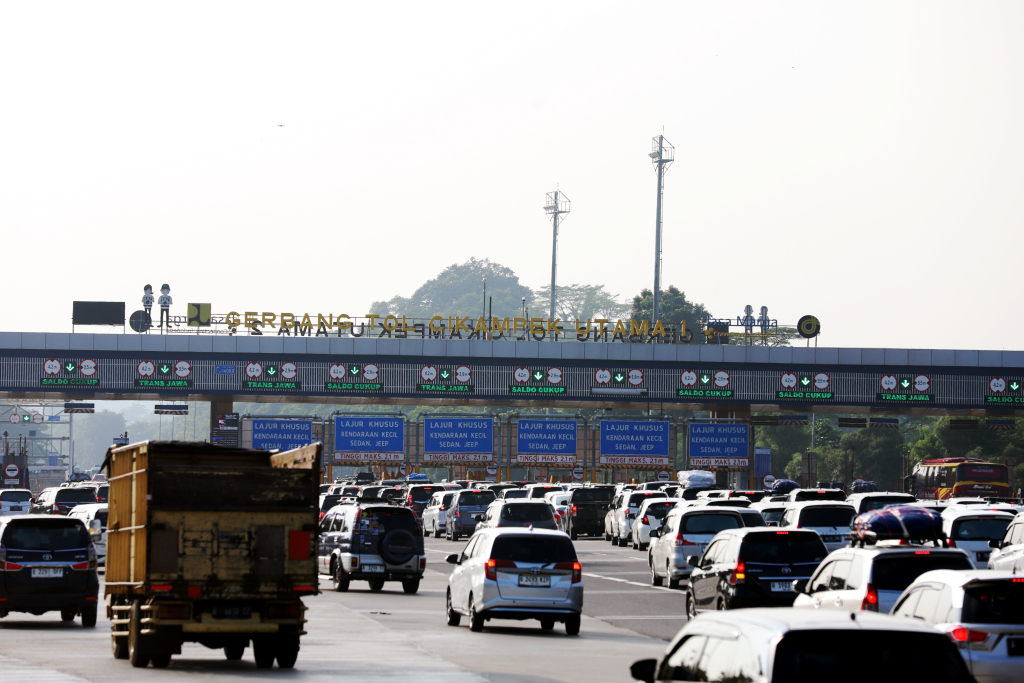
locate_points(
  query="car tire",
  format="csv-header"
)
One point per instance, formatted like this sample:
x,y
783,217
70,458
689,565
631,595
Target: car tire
x,y
89,615
476,621
636,546
264,652
410,586
455,536
376,586
138,645
573,536
339,580
615,539
234,652
68,614
437,532
572,625
453,617
547,624
720,605
644,546
691,606
607,536
655,579
672,583
288,652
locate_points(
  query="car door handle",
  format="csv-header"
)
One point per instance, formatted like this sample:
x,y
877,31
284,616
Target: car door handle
x,y
839,602
817,603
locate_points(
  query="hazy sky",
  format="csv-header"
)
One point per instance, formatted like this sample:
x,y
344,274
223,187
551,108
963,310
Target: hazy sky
x,y
859,161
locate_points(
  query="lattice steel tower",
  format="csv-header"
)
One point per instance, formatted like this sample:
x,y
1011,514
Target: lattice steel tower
x,y
556,205
662,155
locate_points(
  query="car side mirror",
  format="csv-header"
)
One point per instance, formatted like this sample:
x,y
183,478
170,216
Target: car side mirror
x,y
643,670
995,543
95,528
800,586
654,533
452,559
692,560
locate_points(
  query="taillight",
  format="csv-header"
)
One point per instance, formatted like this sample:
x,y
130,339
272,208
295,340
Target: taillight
x,y
781,533
739,574
455,510
573,510
680,540
576,567
6,566
961,635
423,563
922,552
491,568
870,602
90,563
644,520
55,510
951,543
322,514
408,501
441,508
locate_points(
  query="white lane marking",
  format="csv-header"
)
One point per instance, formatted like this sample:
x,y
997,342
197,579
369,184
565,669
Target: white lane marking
x,y
681,617
631,583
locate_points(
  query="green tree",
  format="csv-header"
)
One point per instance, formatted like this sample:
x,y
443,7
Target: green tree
x,y
582,302
877,455
459,290
673,308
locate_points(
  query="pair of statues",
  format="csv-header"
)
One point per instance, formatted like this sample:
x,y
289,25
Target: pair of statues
x,y
164,301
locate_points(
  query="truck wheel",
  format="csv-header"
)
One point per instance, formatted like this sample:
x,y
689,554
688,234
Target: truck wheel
x,y
138,645
453,617
89,615
161,661
263,651
572,625
234,651
376,585
119,646
410,586
287,653
338,579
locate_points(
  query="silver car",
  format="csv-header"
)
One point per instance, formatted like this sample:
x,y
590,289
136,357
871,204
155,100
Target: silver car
x,y
516,574
686,532
517,513
982,612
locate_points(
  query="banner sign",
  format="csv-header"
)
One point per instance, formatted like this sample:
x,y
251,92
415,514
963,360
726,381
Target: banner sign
x,y
635,443
284,435
458,439
544,437
545,459
368,435
719,445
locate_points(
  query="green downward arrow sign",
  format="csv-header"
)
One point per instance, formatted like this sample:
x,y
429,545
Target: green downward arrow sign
x,y
271,371
538,375
69,367
444,374
619,377
1014,385
805,381
905,383
355,370
705,379
164,369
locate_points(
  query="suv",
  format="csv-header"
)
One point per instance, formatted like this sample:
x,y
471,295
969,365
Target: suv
x,y
49,564
865,502
433,513
418,495
752,567
648,518
61,500
831,520
803,495
460,517
516,574
374,543
683,534
972,529
1008,550
871,579
517,513
619,520
94,517
587,508
15,501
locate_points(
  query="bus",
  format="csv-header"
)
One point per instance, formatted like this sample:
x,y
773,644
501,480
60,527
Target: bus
x,y
941,478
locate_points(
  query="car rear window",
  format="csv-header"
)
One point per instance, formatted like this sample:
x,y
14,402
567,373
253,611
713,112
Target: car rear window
x,y
48,535
76,495
421,494
773,515
541,491
526,512
709,523
15,496
382,520
879,502
751,518
837,516
447,499
476,498
842,656
329,502
388,493
515,493
994,603
640,496
659,510
783,547
597,494
535,549
812,494
983,529
896,572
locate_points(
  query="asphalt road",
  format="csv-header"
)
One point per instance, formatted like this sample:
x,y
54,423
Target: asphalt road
x,y
361,635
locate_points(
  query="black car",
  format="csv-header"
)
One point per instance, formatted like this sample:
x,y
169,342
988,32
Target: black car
x,y
49,565
587,507
418,495
752,567
60,501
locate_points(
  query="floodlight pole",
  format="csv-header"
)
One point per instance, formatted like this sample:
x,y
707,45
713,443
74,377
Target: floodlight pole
x,y
662,155
556,204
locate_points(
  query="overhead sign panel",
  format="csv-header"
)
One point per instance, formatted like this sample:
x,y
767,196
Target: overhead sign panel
x,y
547,441
637,443
719,445
458,439
281,434
369,439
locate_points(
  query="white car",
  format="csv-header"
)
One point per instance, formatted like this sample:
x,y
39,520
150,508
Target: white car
x,y
619,520
434,512
516,573
15,501
1008,551
876,500
971,528
88,513
830,519
772,512
559,506
649,517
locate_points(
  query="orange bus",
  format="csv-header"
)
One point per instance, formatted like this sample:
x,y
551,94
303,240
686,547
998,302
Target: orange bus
x,y
940,478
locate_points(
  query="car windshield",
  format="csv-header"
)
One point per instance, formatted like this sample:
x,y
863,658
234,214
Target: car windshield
x,y
533,549
476,498
384,519
994,603
879,502
76,495
772,515
62,535
783,547
709,523
526,512
982,529
844,656
597,494
896,572
751,518
830,516
514,493
659,510
640,496
15,496
421,494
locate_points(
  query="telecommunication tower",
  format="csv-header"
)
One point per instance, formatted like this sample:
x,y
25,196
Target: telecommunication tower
x,y
662,155
556,205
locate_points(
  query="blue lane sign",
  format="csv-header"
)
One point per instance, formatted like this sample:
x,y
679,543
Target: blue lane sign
x,y
282,434
547,436
369,434
458,439
719,445
634,437
225,369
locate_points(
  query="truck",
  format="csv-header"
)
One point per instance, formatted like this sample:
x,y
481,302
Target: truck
x,y
210,544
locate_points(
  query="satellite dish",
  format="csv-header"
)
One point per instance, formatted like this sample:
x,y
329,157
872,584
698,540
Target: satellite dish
x,y
140,321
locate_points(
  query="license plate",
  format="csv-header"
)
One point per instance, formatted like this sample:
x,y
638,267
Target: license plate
x,y
983,557
782,586
1015,647
17,508
534,581
47,572
373,568
222,612
831,539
